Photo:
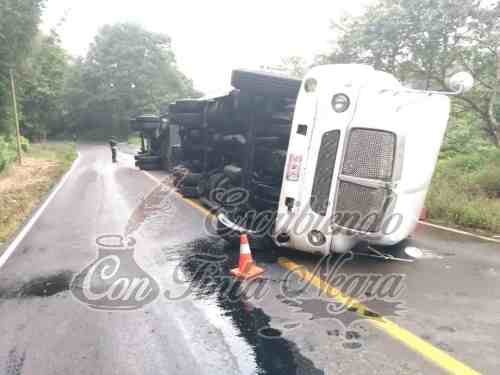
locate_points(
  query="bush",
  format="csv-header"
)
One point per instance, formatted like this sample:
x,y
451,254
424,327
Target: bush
x,y
25,144
488,181
7,152
465,190
464,163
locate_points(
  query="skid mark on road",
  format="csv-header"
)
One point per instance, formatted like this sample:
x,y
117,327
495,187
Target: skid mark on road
x,y
415,343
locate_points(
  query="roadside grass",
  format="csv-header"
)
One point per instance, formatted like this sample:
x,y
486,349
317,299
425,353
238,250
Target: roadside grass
x,y
8,150
22,188
465,191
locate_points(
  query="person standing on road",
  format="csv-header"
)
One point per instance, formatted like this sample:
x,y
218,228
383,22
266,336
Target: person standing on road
x,y
112,144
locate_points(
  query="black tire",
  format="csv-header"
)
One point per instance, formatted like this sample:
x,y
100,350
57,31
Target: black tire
x,y
217,185
265,83
188,106
179,172
257,243
192,179
149,166
189,191
213,182
187,119
234,173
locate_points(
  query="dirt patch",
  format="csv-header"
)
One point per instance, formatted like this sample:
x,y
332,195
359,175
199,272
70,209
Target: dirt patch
x,y
22,188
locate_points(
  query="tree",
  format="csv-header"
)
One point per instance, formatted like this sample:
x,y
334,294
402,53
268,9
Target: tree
x,y
18,27
41,82
295,66
127,70
424,42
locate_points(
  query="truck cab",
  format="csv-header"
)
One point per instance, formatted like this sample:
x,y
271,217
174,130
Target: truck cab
x,y
360,159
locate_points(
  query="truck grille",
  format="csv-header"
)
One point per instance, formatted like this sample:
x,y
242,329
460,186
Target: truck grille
x,y
370,154
324,172
360,207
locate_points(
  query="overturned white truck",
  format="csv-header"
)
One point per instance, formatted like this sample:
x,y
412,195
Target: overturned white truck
x,y
360,157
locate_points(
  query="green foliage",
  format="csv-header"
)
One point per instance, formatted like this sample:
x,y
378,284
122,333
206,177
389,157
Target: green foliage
x,y
8,150
25,187
128,70
62,152
295,66
7,154
465,190
463,136
134,139
42,88
423,43
18,27
488,181
25,144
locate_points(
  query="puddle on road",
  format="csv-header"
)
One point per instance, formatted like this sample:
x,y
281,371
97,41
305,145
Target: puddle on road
x,y
44,286
273,353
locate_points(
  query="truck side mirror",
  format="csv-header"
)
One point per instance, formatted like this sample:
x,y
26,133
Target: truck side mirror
x,y
461,82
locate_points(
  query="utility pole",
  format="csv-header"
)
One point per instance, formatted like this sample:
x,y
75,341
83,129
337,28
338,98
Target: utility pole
x,y
16,117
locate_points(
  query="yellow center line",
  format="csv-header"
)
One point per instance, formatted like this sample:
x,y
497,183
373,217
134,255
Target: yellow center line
x,y
188,201
412,341
415,343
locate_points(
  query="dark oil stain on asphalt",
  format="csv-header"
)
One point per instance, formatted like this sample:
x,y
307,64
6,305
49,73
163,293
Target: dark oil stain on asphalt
x,y
15,362
44,286
273,353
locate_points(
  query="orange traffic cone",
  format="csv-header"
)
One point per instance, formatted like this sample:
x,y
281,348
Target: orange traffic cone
x,y
246,266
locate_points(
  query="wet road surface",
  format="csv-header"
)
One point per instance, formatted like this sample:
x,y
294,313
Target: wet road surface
x,y
202,321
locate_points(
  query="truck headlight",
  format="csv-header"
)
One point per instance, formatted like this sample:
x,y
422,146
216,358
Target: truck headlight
x,y
340,103
316,237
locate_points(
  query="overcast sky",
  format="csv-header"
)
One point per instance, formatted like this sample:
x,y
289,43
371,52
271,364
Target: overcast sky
x,y
210,38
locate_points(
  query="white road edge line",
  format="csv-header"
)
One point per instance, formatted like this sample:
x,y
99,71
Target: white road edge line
x,y
460,232
27,227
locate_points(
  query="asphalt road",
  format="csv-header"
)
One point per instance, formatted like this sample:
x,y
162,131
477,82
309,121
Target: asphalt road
x,y
444,316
